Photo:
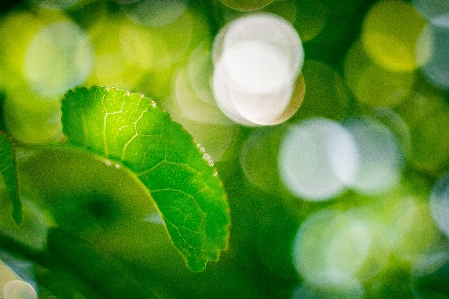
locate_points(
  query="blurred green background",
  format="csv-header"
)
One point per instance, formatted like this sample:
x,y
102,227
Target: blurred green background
x,y
328,122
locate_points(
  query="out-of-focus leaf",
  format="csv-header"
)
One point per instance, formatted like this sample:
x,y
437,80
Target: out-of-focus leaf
x,y
132,130
93,271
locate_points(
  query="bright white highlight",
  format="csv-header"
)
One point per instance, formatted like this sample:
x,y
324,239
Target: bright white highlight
x,y
257,61
269,29
17,289
317,158
256,67
154,218
58,58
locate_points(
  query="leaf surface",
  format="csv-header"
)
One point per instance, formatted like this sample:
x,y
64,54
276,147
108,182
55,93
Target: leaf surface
x,y
131,129
8,172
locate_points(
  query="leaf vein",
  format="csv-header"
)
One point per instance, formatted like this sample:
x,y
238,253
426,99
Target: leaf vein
x,y
105,121
125,146
182,192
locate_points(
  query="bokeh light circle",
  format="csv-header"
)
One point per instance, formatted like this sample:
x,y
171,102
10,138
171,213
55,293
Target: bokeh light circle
x,y
154,13
269,29
259,82
397,125
262,145
414,232
257,67
380,156
200,70
390,32
296,100
200,117
317,158
426,113
431,261
339,249
257,59
435,56
44,127
439,203
59,57
190,104
372,84
222,94
123,51
432,10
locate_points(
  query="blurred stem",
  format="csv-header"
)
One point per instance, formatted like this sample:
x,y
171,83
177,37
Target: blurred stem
x,y
19,250
45,262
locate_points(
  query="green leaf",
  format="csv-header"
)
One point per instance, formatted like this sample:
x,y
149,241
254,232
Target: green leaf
x,y
129,128
9,174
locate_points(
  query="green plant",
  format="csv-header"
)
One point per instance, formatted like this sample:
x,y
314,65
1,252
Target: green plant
x,y
114,135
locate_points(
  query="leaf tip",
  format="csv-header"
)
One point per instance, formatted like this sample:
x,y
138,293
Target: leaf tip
x,y
197,266
17,214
